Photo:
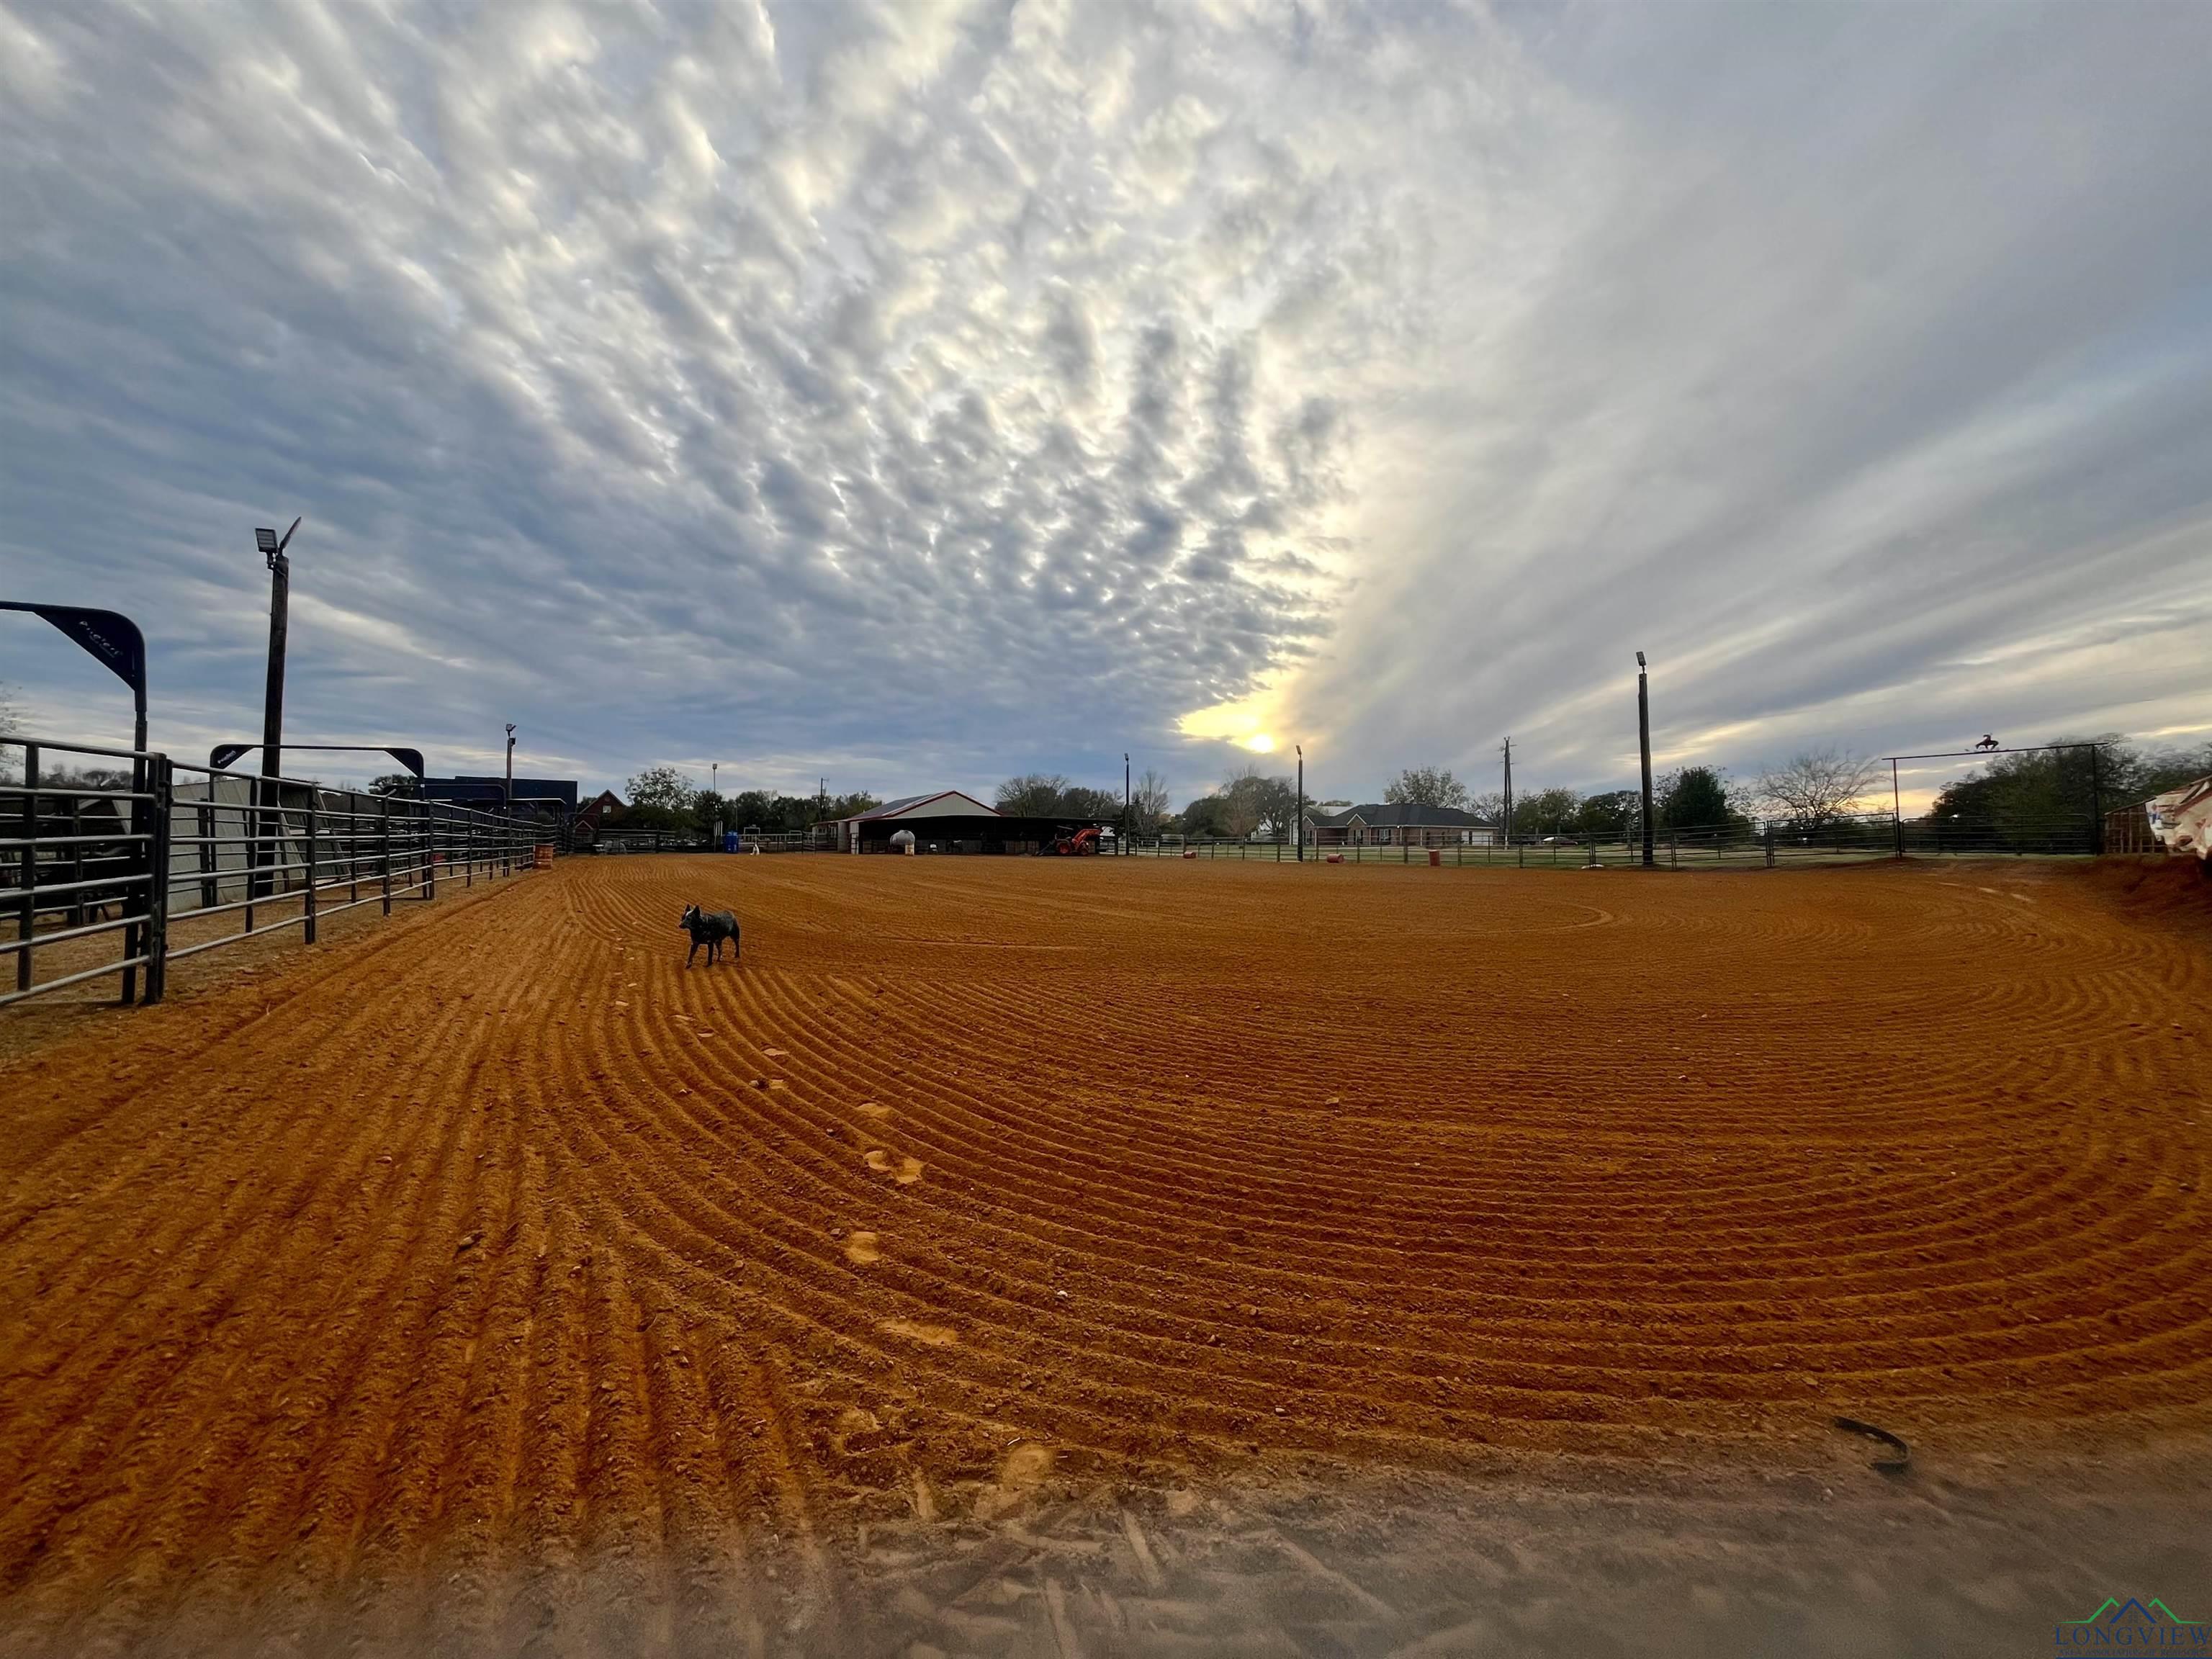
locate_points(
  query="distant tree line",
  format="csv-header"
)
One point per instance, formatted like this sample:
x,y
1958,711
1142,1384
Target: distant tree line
x,y
662,798
12,718
2019,799
1811,791
1049,795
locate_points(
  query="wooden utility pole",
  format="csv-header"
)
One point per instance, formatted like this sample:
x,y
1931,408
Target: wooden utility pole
x,y
1509,791
1644,740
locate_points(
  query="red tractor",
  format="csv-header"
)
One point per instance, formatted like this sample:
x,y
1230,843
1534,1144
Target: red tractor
x,y
1075,843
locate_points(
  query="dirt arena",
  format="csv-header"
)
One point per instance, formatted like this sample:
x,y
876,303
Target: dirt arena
x,y
493,1246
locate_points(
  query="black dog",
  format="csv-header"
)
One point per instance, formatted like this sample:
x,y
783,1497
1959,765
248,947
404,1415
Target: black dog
x,y
710,931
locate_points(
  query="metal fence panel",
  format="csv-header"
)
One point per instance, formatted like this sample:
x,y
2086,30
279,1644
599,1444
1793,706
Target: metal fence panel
x,y
169,859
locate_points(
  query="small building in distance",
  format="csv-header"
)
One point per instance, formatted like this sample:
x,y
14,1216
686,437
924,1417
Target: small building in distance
x,y
948,821
602,811
1386,824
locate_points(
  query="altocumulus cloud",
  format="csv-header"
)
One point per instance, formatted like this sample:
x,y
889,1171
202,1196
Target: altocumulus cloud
x,y
933,392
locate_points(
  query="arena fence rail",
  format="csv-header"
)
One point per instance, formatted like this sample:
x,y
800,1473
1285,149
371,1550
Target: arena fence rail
x,y
120,861
1741,843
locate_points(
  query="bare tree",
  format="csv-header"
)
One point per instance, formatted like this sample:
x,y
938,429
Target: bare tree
x,y
1815,788
1033,795
1256,802
1148,804
1426,786
11,722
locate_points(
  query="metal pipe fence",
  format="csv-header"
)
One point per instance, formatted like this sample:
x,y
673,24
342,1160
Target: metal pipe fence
x,y
821,839
1842,838
174,859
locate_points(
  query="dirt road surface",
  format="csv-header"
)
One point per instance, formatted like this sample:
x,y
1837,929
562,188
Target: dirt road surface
x,y
489,1280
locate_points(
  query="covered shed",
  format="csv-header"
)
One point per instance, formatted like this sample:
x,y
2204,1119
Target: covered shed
x,y
948,821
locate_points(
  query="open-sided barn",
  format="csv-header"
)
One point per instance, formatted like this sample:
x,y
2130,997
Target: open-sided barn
x,y
947,821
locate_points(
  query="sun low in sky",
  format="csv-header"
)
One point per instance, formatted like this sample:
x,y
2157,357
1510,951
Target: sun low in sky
x,y
918,396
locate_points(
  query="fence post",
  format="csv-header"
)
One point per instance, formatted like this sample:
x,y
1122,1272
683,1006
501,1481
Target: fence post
x,y
1770,847
210,877
77,858
135,899
2096,802
314,865
28,905
157,889
1674,849
385,806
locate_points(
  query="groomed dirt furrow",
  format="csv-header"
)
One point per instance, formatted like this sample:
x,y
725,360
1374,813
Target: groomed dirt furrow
x,y
282,1237
527,1245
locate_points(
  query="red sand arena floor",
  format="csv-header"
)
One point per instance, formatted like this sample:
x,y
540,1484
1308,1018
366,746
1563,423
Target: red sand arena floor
x,y
494,1240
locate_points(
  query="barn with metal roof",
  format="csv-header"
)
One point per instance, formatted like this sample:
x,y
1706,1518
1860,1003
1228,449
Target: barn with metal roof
x,y
948,821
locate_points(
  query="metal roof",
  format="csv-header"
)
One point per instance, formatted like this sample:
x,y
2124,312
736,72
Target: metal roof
x,y
1400,815
905,804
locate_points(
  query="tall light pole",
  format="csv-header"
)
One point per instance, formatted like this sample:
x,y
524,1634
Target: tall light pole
x,y
510,769
1509,791
1644,740
1122,842
272,548
1300,821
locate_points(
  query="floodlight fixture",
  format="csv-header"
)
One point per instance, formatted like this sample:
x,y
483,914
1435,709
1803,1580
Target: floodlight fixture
x,y
1639,659
271,544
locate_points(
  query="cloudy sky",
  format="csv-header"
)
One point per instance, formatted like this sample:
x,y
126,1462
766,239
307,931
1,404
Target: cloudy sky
x,y
918,395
